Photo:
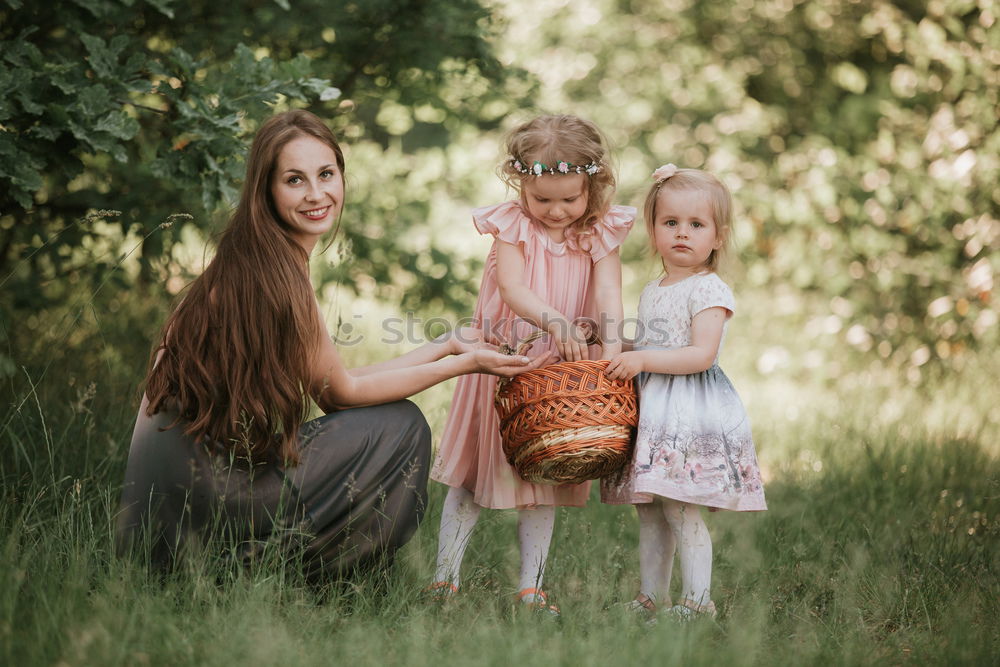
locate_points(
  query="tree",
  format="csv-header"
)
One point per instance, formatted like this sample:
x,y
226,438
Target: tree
x,y
115,115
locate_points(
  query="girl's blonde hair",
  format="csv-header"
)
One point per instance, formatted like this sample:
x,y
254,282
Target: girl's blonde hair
x,y
554,139
719,200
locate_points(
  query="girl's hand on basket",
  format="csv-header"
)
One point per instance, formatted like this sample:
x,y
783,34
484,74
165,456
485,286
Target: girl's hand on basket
x,y
488,360
624,366
570,340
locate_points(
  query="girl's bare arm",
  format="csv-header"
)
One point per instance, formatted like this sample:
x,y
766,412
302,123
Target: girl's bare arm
x,y
607,281
706,335
570,339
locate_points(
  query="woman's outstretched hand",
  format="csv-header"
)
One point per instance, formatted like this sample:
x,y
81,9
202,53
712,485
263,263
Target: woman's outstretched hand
x,y
489,360
486,357
464,339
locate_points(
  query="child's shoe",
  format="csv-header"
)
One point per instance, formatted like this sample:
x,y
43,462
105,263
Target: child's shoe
x,y
689,610
439,591
644,607
536,600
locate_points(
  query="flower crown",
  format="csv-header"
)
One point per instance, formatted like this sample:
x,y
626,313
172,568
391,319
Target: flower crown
x,y
562,167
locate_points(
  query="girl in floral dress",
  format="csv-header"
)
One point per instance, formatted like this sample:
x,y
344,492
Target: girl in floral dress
x,y
554,259
693,446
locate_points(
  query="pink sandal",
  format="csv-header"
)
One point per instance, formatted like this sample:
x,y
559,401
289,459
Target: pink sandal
x,y
536,600
439,591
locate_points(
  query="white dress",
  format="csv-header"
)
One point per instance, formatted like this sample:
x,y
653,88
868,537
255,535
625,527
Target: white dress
x,y
693,442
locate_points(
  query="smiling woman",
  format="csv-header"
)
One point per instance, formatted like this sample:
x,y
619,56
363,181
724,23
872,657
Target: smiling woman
x,y
308,189
219,448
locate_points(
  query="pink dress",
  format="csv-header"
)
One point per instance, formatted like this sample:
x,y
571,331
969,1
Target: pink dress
x,y
470,455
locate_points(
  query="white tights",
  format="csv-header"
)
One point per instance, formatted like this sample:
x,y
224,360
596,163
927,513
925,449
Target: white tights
x,y
458,518
665,527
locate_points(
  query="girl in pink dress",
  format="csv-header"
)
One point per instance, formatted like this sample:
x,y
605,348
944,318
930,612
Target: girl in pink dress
x,y
554,259
693,447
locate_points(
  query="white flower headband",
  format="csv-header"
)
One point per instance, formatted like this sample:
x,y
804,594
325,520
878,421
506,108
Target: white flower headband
x,y
663,173
562,167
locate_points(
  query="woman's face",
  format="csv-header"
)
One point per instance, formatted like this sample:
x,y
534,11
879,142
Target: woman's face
x,y
308,189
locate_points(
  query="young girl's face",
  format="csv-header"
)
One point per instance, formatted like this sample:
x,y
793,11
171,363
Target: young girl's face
x,y
684,230
555,201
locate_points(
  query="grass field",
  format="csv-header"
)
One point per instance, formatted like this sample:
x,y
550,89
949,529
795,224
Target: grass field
x,y
880,545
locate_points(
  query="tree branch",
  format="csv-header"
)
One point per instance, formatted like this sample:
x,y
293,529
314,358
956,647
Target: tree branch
x,y
143,106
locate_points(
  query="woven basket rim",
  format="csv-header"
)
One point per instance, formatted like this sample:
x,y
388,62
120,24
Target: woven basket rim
x,y
505,394
564,364
576,393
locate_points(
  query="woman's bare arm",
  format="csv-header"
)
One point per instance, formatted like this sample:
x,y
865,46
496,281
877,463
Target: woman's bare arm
x,y
334,387
457,341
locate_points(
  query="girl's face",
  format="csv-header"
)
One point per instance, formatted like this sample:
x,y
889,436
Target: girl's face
x,y
555,201
307,189
684,230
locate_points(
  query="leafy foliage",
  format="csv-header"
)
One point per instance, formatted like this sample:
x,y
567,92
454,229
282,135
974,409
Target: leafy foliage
x,y
144,107
121,118
860,139
96,115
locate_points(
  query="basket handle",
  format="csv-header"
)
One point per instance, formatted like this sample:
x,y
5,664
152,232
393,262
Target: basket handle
x,y
594,338
521,347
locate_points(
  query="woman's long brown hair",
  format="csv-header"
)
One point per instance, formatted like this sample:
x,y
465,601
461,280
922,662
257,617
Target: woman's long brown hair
x,y
236,351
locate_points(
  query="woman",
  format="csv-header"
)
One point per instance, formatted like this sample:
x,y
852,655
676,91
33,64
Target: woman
x,y
218,451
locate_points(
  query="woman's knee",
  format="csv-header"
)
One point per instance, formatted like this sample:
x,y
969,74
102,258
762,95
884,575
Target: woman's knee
x,y
400,425
405,411
405,418
413,439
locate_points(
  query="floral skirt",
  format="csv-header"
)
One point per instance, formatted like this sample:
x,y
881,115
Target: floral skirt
x,y
693,445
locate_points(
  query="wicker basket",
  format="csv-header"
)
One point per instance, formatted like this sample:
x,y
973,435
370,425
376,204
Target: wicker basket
x,y
566,423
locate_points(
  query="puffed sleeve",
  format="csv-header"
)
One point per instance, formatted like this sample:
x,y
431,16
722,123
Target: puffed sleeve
x,y
610,232
505,221
711,292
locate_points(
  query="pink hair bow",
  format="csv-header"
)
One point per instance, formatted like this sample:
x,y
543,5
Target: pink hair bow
x,y
665,172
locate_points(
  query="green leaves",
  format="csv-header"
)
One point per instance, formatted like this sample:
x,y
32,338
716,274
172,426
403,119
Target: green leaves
x,y
116,114
103,56
20,168
162,6
146,106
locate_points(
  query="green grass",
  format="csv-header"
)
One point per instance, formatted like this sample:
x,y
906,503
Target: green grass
x,y
881,545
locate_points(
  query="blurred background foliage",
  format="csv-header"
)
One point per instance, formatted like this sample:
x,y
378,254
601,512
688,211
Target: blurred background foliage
x,y
859,138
